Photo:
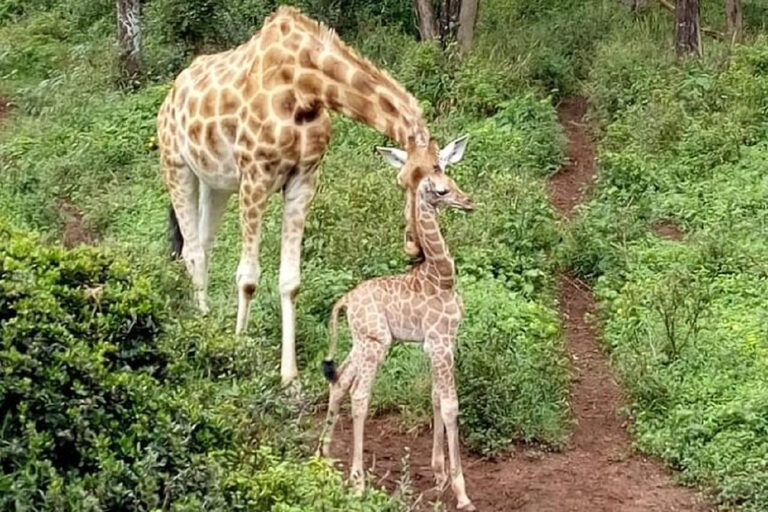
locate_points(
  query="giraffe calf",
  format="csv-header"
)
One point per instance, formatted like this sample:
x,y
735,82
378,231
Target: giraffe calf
x,y
421,305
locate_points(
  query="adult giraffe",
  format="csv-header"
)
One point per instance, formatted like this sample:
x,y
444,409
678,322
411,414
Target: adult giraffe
x,y
254,120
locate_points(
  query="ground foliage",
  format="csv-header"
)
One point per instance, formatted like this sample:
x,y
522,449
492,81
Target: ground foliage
x,y
124,399
683,144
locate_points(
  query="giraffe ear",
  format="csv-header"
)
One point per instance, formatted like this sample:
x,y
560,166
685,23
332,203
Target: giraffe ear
x,y
395,157
453,152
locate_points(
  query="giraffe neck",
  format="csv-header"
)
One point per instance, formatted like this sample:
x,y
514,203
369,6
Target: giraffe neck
x,y
325,72
438,265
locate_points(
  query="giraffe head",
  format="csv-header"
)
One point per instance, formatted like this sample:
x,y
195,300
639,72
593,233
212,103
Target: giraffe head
x,y
419,161
422,160
438,190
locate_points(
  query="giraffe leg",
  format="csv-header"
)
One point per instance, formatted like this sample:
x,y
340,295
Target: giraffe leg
x,y
371,355
253,203
212,204
442,365
298,192
347,372
183,187
438,454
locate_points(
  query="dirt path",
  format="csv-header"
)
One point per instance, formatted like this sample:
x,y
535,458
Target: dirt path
x,y
598,472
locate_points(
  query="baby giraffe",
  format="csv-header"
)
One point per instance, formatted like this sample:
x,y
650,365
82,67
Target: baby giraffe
x,y
421,305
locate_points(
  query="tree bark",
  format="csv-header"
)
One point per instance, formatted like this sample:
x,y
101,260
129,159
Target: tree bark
x,y
425,16
449,20
687,28
467,19
735,16
129,38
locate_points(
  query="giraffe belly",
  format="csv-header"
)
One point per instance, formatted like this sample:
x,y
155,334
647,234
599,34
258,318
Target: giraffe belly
x,y
218,171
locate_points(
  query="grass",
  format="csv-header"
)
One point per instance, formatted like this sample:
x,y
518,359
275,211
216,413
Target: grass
x,y
678,142
685,320
76,138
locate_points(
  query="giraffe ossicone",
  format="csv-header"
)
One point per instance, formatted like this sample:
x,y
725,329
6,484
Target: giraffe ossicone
x,y
254,121
421,305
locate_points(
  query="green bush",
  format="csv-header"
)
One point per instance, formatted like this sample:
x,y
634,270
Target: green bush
x,y
103,410
683,143
512,372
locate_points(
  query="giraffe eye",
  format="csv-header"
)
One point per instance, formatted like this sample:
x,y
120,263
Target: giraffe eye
x,y
442,191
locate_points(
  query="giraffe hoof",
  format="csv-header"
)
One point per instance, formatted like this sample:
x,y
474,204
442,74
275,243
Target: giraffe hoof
x,y
467,507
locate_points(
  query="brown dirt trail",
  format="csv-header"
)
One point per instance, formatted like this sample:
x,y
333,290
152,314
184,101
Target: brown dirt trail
x,y
598,471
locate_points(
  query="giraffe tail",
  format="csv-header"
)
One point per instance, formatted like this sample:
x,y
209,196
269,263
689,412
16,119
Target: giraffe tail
x,y
329,365
177,240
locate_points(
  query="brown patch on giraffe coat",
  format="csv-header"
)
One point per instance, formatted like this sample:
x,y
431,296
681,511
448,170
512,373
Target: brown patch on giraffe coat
x,y
309,84
245,160
208,104
267,133
278,77
226,77
203,82
308,58
204,159
260,107
269,36
275,57
285,27
332,97
317,140
335,69
363,84
247,141
284,103
229,128
194,131
212,138
293,42
192,105
387,106
361,106
308,114
287,137
229,102
266,155
182,96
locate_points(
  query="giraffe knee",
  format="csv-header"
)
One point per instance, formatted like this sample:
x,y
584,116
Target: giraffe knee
x,y
289,286
247,278
449,409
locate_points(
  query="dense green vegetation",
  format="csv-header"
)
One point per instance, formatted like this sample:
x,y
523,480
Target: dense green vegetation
x,y
116,396
685,145
204,406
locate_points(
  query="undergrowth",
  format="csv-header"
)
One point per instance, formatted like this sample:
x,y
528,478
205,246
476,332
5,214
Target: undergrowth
x,y
684,144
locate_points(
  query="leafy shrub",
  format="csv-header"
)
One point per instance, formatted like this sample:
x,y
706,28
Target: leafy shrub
x,y
512,374
684,319
99,412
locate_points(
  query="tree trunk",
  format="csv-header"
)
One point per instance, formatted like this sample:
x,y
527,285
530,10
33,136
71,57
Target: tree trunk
x,y
467,18
425,16
734,15
687,28
449,20
129,39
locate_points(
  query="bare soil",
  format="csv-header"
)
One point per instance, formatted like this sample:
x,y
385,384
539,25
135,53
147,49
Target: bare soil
x,y
75,233
598,471
669,230
569,185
